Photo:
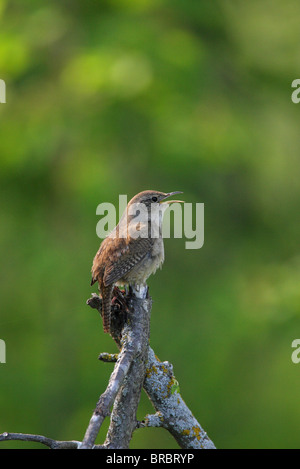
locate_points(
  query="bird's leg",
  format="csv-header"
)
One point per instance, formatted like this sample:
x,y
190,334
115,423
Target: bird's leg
x,y
119,313
140,291
120,299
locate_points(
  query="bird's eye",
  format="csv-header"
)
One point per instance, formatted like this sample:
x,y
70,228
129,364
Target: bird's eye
x,y
154,199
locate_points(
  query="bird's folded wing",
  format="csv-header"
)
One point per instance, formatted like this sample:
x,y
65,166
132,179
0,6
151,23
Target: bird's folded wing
x,y
121,262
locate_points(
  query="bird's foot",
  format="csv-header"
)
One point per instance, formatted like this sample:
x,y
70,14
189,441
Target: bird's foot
x,y
119,299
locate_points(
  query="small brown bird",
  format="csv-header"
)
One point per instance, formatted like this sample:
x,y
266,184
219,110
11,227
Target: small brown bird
x,y
134,249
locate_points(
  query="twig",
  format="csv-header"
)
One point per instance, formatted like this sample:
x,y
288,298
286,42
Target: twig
x,y
108,357
152,420
53,444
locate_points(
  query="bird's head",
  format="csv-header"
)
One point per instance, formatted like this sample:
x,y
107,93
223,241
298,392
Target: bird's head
x,y
154,199
148,207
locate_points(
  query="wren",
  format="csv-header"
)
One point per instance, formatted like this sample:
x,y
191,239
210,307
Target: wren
x,y
134,249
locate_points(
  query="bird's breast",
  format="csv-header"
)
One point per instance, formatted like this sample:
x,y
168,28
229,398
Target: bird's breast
x,y
148,266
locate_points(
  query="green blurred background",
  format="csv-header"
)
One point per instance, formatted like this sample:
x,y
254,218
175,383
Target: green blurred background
x,y
114,97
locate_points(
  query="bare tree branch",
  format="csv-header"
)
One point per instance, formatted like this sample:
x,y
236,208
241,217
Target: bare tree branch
x,y
107,398
174,415
126,380
53,444
123,418
163,391
135,366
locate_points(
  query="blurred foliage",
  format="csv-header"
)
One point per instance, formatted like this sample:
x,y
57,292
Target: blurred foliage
x,y
114,97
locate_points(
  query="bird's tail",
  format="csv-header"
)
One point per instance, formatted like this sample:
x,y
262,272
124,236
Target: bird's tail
x,y
106,293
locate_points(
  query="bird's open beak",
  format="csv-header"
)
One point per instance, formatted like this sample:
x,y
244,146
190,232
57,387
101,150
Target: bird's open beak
x,y
171,201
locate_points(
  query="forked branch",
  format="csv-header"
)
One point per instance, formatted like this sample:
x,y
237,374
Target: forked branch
x,y
136,366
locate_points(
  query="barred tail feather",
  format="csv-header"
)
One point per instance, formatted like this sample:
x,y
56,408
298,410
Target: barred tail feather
x,y
106,293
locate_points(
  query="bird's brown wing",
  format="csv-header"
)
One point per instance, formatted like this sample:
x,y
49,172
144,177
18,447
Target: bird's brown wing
x,y
117,256
133,252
